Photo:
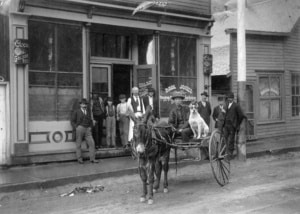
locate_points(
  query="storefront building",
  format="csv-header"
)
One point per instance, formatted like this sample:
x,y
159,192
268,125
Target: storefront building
x,y
62,50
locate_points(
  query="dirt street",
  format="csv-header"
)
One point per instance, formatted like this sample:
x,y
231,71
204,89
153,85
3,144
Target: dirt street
x,y
267,184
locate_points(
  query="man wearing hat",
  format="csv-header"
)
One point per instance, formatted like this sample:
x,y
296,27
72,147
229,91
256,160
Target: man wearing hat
x,y
98,115
150,100
233,118
136,106
204,108
81,121
178,117
123,118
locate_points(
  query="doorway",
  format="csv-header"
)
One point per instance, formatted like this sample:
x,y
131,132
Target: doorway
x,y
121,81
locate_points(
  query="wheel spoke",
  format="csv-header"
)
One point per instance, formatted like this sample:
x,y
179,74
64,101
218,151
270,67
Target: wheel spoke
x,y
223,170
225,167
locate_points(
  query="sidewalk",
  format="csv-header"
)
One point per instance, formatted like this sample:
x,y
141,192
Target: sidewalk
x,y
56,174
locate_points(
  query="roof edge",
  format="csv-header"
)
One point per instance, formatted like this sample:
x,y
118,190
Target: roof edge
x,y
254,32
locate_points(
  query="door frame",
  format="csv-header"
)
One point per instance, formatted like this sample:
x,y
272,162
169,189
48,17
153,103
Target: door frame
x,y
101,65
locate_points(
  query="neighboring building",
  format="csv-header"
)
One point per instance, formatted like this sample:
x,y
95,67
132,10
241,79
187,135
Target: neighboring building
x,y
78,46
273,65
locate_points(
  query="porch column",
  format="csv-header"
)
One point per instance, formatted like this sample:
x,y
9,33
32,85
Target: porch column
x,y
19,88
4,124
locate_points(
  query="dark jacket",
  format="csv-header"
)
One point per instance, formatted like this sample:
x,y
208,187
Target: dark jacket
x,y
218,117
234,115
205,112
174,120
77,118
135,104
155,105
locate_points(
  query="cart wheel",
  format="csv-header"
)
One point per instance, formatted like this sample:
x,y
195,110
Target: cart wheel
x,y
218,157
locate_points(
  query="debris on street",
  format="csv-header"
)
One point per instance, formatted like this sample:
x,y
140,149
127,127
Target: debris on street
x,y
85,189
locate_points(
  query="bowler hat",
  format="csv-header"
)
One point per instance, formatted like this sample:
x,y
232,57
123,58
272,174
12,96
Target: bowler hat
x,y
122,96
177,94
83,101
230,95
204,93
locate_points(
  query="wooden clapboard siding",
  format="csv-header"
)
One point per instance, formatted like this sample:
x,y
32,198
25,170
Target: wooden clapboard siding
x,y
292,49
4,47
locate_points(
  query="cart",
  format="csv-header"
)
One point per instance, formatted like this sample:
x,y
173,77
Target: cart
x,y
217,152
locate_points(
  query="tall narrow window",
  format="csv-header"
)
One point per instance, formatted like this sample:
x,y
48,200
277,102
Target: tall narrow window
x,y
270,97
295,95
177,69
55,70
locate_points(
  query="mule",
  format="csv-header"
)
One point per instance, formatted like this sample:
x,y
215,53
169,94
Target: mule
x,y
151,145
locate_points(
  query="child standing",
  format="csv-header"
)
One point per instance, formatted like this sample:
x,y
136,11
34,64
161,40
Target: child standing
x,y
123,118
110,123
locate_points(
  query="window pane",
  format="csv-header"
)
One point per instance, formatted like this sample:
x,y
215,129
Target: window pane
x,y
167,85
274,86
146,50
109,45
40,36
168,56
69,52
66,99
264,109
42,103
187,57
100,80
264,86
42,79
275,109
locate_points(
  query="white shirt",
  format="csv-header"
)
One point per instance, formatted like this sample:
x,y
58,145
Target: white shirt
x,y
122,108
229,105
151,101
203,103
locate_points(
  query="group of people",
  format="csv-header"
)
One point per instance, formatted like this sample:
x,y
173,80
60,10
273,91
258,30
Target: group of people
x,y
228,116
87,122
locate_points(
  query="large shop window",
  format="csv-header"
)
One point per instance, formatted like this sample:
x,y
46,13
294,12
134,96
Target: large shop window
x,y
109,45
270,97
55,70
177,69
295,95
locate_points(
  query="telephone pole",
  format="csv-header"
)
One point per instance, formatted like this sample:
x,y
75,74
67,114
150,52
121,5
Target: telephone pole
x,y
241,76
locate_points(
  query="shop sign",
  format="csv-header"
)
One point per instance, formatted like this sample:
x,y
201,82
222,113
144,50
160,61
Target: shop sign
x,y
21,51
186,89
207,63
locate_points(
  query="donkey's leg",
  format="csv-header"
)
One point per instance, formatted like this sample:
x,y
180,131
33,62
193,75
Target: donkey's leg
x,y
143,175
158,169
165,166
151,170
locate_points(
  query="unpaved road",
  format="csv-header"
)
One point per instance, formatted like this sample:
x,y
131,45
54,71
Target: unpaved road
x,y
269,184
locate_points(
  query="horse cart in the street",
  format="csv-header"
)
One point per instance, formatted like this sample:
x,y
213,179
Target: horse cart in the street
x,y
215,145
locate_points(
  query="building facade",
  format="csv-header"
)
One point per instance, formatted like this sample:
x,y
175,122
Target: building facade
x,y
60,51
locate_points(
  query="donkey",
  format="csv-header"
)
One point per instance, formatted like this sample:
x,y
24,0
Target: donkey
x,y
151,144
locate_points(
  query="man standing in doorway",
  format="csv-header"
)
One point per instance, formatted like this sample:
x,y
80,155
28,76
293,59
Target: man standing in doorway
x,y
136,106
233,119
98,114
82,122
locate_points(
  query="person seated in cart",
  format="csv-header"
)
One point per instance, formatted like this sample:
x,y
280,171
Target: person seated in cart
x,y
178,117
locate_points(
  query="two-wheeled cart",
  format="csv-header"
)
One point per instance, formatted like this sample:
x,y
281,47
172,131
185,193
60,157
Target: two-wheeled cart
x,y
217,152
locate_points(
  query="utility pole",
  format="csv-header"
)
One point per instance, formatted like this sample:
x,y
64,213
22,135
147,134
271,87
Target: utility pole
x,y
241,77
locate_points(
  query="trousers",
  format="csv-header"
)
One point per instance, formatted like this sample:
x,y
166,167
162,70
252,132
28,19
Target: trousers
x,y
111,131
124,128
84,133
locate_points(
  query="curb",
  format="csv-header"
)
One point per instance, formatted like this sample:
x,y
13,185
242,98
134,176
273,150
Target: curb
x,y
44,184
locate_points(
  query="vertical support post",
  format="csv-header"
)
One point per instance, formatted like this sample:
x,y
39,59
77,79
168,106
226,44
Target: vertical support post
x,y
241,44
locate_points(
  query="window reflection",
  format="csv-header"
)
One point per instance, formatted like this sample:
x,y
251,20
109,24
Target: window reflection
x,y
146,50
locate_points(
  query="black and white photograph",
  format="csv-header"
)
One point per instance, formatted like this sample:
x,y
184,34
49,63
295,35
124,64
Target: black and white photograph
x,y
150,106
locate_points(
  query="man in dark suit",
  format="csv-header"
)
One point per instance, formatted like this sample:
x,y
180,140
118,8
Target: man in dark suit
x,y
82,122
219,113
150,100
204,108
178,117
233,118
